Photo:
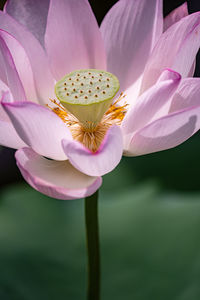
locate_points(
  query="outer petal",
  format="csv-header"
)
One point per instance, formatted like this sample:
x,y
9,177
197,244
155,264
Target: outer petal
x,y
187,95
151,102
55,179
130,30
39,128
30,13
176,15
165,133
101,162
22,65
9,74
42,76
73,40
176,49
8,134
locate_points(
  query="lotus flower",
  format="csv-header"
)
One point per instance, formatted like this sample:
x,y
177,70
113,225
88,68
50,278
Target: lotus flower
x,y
42,41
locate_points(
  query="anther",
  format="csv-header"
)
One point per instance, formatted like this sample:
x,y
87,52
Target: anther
x,y
74,90
70,78
97,87
65,89
82,84
67,94
65,83
108,79
72,83
91,82
76,97
96,96
108,85
89,73
99,80
86,97
81,92
103,92
77,79
89,91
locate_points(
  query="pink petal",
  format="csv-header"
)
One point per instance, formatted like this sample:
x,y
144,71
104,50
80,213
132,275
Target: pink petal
x,y
22,65
130,31
39,128
187,94
176,49
7,96
176,15
55,179
101,162
9,74
30,13
37,57
8,134
151,102
9,137
165,133
73,40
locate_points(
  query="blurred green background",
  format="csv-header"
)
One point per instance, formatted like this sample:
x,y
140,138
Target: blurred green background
x,y
149,212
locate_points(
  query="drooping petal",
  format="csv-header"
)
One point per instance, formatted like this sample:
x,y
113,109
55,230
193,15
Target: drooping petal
x,y
37,57
151,102
8,72
39,128
176,49
22,65
101,162
176,15
55,179
165,133
73,40
30,13
8,134
130,30
187,95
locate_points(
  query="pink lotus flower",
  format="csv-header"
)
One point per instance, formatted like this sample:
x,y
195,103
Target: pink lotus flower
x,y
54,38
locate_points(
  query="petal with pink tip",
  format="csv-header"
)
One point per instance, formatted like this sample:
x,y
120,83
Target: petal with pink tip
x,y
130,30
39,128
9,74
150,103
101,162
30,13
176,15
176,49
22,65
165,133
187,94
55,179
37,57
73,40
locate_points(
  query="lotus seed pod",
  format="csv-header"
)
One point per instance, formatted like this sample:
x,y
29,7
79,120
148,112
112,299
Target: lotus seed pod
x,y
87,94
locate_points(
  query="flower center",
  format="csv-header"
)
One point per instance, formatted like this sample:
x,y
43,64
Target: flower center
x,y
87,94
86,105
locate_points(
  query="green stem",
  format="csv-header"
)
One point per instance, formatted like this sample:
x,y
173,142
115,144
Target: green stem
x,y
92,237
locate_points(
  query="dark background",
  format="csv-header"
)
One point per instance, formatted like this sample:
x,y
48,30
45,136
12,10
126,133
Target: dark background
x,y
149,223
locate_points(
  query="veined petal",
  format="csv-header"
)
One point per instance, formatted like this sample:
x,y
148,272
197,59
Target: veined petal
x,y
8,134
130,30
30,13
9,74
55,179
101,162
187,95
165,133
73,40
22,65
43,79
176,15
151,102
39,128
176,49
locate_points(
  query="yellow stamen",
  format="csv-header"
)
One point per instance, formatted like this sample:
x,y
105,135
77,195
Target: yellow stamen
x,y
91,138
